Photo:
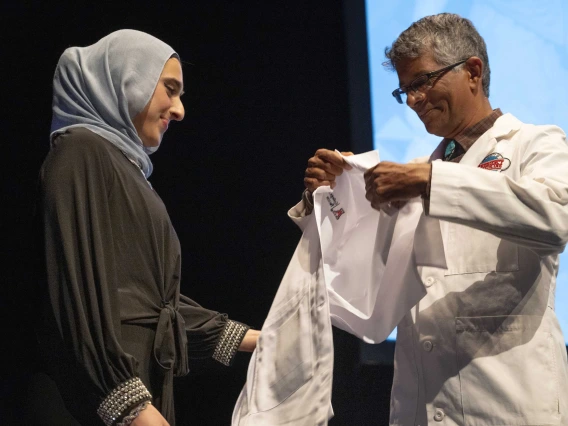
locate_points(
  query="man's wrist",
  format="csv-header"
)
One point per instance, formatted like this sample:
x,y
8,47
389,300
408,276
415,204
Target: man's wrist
x,y
426,191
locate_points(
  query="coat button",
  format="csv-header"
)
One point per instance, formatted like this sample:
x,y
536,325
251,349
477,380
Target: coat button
x,y
439,415
427,345
429,281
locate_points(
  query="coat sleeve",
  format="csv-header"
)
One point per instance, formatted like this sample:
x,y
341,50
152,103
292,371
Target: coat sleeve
x,y
210,334
75,182
531,211
301,212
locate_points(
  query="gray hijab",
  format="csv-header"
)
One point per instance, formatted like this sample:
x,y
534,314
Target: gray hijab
x,y
104,86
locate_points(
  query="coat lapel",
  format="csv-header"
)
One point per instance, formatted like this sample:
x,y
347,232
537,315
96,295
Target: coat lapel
x,y
504,127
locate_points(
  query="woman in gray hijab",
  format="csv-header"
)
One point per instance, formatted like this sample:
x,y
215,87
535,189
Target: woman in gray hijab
x,y
114,328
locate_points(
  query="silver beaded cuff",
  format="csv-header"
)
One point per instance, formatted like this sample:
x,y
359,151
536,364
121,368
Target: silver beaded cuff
x,y
229,342
124,396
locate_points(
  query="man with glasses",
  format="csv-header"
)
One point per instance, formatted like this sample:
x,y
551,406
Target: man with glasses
x,y
483,346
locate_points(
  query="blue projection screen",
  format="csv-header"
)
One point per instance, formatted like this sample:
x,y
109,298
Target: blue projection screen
x,y
527,43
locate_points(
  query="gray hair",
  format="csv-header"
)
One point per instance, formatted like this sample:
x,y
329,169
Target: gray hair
x,y
447,36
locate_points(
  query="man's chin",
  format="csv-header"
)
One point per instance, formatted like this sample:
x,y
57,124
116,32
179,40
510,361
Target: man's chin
x,y
432,129
432,124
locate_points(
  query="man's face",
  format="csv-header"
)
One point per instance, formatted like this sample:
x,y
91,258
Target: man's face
x,y
446,103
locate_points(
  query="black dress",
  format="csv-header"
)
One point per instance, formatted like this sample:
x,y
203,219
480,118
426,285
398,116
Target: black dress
x,y
111,309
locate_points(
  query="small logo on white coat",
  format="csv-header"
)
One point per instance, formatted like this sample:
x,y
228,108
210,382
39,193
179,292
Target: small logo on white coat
x,y
495,162
338,213
333,203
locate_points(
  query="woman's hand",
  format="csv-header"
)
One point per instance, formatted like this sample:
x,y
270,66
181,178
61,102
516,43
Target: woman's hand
x,y
150,416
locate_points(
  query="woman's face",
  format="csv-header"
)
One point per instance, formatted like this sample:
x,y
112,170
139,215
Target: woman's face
x,y
152,122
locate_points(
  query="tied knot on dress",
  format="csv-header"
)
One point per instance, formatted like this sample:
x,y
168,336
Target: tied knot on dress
x,y
167,306
170,343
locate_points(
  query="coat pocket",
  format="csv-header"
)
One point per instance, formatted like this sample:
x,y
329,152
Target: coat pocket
x,y
472,251
507,370
284,355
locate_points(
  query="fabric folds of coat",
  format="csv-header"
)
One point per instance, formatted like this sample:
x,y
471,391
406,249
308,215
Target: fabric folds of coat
x,y
334,277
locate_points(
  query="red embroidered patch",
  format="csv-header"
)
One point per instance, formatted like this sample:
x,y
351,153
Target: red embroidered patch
x,y
492,165
495,161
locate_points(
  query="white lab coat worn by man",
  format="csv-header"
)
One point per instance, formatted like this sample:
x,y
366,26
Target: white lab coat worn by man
x,y
484,346
481,344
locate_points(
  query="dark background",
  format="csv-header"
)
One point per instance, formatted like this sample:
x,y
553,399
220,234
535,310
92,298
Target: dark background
x,y
267,83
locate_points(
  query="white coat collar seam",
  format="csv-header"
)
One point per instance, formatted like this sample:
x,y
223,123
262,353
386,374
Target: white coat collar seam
x,y
504,125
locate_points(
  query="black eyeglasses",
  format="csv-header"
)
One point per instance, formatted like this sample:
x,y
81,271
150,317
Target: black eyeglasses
x,y
421,83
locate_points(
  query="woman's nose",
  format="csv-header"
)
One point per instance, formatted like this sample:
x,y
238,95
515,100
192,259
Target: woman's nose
x,y
177,110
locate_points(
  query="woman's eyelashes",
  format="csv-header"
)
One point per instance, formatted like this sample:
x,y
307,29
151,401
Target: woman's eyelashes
x,y
171,90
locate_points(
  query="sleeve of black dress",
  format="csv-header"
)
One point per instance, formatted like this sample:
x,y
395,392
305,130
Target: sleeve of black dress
x,y
75,184
210,334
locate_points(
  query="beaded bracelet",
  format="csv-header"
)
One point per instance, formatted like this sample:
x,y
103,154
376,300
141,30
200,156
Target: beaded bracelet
x,y
229,342
126,395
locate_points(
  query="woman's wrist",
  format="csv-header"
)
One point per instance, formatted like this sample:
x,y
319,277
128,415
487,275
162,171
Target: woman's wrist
x,y
134,413
230,342
123,400
248,344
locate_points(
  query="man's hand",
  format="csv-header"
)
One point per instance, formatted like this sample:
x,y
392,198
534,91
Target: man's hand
x,y
323,168
395,183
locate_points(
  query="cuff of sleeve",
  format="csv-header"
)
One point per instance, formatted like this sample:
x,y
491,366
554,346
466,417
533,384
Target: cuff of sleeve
x,y
124,398
308,202
446,193
426,195
229,342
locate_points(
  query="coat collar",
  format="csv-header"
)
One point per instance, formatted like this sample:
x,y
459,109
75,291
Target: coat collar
x,y
505,126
